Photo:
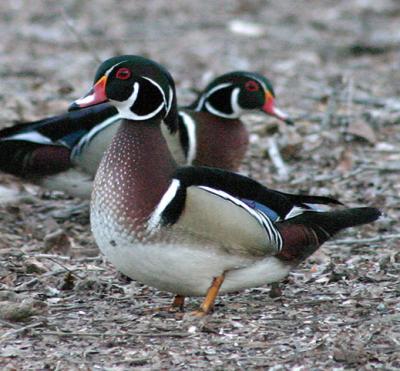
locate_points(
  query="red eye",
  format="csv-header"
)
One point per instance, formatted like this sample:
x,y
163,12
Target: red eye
x,y
251,86
123,74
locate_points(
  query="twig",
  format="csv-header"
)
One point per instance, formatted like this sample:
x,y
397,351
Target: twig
x,y
51,256
21,329
388,168
8,324
70,271
114,334
24,286
276,158
352,241
312,302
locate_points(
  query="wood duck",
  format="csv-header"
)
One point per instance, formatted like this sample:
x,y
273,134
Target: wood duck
x,y
63,152
192,231
47,151
210,131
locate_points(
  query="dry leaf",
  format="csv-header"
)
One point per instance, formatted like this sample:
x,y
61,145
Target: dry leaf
x,y
57,241
362,130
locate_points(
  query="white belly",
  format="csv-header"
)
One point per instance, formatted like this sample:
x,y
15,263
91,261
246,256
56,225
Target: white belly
x,y
183,268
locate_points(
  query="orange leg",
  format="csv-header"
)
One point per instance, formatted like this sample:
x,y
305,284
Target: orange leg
x,y
178,303
176,306
209,300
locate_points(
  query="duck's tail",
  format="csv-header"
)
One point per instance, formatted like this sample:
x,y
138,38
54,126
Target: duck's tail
x,y
304,234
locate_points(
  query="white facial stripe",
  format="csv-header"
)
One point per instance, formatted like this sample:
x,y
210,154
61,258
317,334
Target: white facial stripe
x,y
111,68
124,106
159,88
215,112
237,110
191,132
134,116
213,90
218,87
168,196
171,96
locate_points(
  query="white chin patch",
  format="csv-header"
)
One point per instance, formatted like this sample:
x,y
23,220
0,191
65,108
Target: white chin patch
x,y
134,116
124,107
191,133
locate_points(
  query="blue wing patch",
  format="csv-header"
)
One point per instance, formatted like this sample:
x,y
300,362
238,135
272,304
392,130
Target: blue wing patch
x,y
258,206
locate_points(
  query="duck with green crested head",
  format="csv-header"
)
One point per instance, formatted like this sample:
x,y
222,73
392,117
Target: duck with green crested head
x,y
63,152
220,138
192,231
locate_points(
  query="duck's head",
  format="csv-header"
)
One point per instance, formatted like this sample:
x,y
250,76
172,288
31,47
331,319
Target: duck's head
x,y
139,88
231,94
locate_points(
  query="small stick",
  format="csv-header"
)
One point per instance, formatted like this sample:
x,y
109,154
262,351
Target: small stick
x,y
70,271
114,334
374,102
52,256
8,324
312,302
388,168
23,286
276,158
21,329
351,241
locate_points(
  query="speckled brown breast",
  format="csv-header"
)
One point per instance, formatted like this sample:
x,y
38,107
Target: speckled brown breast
x,y
221,142
133,176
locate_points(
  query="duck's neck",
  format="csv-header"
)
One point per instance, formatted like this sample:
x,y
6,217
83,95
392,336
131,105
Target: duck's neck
x,y
134,173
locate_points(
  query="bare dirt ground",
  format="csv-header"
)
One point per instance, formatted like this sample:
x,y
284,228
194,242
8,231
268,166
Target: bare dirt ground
x,y
336,68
